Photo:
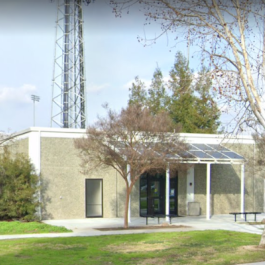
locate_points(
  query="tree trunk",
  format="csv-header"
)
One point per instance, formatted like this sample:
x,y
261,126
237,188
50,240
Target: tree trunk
x,y
262,240
126,207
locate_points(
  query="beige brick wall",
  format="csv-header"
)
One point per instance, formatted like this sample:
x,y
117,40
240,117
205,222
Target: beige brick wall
x,y
182,191
64,184
135,194
200,186
19,146
254,187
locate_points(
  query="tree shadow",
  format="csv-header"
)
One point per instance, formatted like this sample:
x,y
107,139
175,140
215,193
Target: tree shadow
x,y
45,199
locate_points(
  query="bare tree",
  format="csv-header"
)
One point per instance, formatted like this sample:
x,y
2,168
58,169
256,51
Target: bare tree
x,y
132,142
6,139
260,162
229,34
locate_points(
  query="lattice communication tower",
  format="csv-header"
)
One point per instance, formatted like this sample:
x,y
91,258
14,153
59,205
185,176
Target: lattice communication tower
x,y
68,88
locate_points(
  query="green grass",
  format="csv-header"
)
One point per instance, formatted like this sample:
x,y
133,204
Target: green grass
x,y
16,227
196,247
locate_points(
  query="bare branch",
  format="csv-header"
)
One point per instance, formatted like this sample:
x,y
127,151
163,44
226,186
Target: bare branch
x,y
230,35
132,137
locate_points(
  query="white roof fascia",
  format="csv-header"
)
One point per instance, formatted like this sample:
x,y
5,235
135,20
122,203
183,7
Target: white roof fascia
x,y
51,132
187,137
216,138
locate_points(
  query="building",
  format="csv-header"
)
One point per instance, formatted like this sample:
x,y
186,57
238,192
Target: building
x,y
217,185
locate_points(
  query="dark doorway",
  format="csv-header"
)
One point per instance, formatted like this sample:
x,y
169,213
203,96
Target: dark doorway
x,y
152,194
94,198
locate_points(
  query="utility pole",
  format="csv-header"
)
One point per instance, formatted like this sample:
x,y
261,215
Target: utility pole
x,y
34,99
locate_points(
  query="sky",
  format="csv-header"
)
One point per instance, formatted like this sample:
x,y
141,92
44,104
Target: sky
x,y
113,58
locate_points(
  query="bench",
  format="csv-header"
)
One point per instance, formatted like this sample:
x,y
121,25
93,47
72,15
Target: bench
x,y
246,213
158,216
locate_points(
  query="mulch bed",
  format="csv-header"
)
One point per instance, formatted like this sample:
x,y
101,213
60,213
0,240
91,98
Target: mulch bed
x,y
143,227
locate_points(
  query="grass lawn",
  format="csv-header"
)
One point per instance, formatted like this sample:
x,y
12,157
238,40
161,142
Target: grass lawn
x,y
195,247
16,227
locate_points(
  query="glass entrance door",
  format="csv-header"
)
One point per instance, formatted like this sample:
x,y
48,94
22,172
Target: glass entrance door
x,y
156,196
152,194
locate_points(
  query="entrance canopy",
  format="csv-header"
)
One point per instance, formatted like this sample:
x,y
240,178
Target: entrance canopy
x,y
199,153
208,153
195,153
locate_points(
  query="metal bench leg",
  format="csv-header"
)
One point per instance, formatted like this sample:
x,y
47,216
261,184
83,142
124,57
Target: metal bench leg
x,y
255,217
245,217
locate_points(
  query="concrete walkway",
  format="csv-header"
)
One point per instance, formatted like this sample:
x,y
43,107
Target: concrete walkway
x,y
88,227
217,222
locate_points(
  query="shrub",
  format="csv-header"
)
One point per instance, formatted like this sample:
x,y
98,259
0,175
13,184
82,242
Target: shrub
x,y
18,187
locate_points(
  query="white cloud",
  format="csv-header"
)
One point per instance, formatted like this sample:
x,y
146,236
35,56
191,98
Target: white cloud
x,y
17,94
97,88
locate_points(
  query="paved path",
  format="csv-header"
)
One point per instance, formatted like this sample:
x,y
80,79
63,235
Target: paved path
x,y
87,227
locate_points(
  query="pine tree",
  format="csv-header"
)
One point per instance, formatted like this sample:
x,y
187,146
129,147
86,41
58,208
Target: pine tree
x,y
158,99
138,94
192,105
185,98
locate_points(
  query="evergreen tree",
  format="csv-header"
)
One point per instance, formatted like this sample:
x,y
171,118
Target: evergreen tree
x,y
138,94
187,99
155,98
18,186
180,77
158,99
192,105
182,103
207,109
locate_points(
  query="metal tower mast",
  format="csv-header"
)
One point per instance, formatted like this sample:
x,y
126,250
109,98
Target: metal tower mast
x,y
68,89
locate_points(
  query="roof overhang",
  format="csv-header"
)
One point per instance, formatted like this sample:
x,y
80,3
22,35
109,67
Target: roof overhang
x,y
198,153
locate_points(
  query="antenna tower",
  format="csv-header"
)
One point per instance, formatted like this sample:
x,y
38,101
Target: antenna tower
x,y
68,87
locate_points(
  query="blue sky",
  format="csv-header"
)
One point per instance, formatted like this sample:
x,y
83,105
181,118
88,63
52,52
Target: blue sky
x,y
113,57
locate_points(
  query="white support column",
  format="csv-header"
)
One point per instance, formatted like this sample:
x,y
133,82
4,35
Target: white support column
x,y
208,192
35,150
167,206
34,153
242,188
129,182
